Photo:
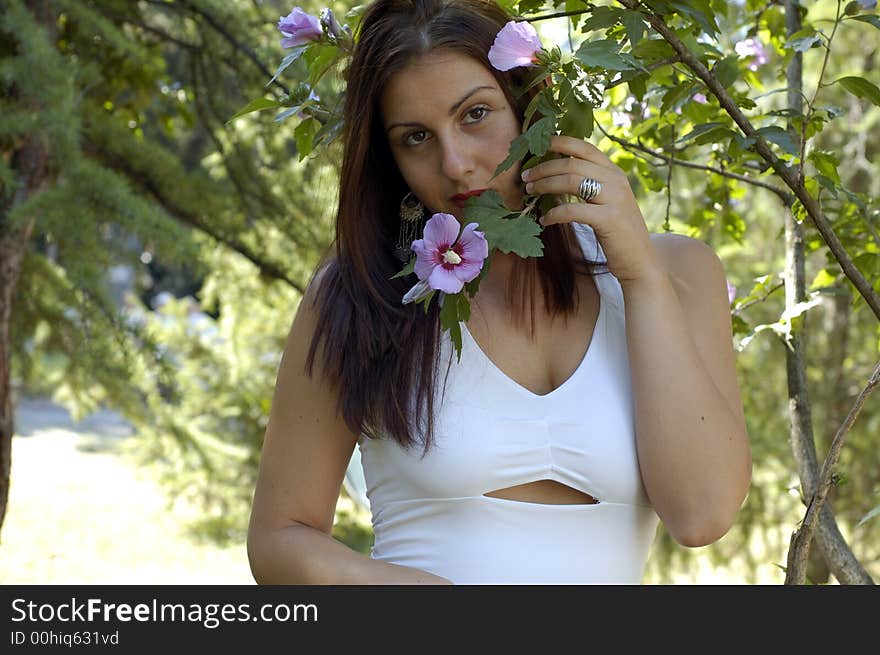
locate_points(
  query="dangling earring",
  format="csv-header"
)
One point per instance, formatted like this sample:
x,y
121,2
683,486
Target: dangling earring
x,y
411,214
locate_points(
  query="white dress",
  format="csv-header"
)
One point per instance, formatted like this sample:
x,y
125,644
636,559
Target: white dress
x,y
492,433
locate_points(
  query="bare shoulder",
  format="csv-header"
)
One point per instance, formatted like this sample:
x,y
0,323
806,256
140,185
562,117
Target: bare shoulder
x,y
692,265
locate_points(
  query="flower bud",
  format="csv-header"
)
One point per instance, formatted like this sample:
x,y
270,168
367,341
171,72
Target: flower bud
x,y
330,24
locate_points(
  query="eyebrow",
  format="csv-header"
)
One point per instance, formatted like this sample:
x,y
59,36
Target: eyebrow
x,y
452,109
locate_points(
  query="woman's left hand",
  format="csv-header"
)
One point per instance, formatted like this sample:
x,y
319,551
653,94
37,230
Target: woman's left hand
x,y
613,214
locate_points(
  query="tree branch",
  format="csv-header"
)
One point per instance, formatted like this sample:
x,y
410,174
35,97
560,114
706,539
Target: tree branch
x,y
799,547
212,22
786,197
268,269
810,204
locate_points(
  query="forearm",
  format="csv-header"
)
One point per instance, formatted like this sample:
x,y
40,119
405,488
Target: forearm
x,y
303,555
693,454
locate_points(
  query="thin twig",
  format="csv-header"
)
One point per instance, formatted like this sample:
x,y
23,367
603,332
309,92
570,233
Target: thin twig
x,y
800,541
561,14
811,103
650,68
786,197
738,310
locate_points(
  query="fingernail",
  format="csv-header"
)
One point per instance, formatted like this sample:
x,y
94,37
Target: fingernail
x,y
525,174
529,187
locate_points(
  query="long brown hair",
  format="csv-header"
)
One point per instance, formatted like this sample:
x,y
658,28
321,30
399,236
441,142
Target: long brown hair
x,y
383,356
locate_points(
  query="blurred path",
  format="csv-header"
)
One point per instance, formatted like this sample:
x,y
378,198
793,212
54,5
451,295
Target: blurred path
x,y
80,511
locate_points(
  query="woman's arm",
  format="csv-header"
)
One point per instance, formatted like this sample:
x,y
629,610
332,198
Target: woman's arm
x,y
693,446
691,435
306,450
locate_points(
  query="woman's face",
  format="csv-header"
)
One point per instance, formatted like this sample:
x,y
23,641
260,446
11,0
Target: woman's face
x,y
449,125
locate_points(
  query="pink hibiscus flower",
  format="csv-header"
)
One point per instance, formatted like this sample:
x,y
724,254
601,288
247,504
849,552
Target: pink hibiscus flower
x,y
516,44
446,260
299,27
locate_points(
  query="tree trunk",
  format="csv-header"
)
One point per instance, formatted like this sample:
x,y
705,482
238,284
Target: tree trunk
x,y
30,165
29,161
12,249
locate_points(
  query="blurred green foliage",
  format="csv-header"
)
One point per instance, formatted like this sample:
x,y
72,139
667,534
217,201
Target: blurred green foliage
x,y
136,101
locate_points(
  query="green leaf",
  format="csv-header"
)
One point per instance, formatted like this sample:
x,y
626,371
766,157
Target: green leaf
x,y
698,130
539,134
257,104
577,120
861,88
651,50
726,70
573,6
319,59
518,149
604,54
409,269
601,17
635,26
647,174
505,230
701,12
824,278
450,317
868,18
329,131
672,99
826,164
291,57
827,184
780,137
543,103
804,43
638,86
304,135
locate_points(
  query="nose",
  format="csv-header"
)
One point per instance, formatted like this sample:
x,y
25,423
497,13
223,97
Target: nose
x,y
457,158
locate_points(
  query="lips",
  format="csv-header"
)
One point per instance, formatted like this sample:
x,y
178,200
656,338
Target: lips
x,y
459,198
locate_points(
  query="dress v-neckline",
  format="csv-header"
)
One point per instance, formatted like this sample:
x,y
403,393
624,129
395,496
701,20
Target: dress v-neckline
x,y
598,333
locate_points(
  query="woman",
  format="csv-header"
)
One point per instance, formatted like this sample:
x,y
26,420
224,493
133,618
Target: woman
x,y
585,407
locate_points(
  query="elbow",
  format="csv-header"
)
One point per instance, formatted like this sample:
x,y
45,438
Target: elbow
x,y
256,558
706,525
716,522
698,533
696,538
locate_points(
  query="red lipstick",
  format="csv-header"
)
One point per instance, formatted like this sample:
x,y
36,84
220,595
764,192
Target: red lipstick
x,y
459,198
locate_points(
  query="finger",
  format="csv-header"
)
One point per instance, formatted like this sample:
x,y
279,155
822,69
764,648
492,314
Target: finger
x,y
567,145
569,183
568,166
576,212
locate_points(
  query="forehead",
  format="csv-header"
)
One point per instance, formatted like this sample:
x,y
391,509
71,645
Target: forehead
x,y
433,81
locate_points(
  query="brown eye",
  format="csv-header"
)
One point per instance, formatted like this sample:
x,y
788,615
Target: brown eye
x,y
476,114
415,138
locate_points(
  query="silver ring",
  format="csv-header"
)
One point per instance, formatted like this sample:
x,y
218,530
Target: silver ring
x,y
589,189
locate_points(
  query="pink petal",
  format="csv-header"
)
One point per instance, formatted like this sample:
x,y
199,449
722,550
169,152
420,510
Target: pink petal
x,y
515,45
443,279
474,247
441,231
467,271
426,258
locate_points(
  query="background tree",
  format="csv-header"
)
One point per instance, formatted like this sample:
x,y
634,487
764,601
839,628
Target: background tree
x,y
118,148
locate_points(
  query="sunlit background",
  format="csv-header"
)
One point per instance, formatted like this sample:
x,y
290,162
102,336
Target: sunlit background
x,y
170,245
